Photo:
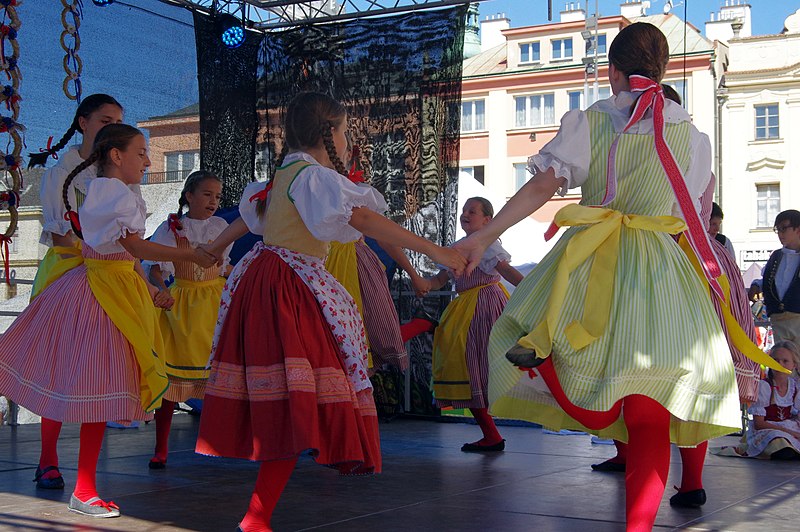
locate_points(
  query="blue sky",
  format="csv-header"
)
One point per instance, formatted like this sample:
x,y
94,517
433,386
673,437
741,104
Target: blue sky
x,y
768,15
143,56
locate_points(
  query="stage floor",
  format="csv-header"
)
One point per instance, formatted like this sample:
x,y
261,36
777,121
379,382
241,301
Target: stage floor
x,y
541,482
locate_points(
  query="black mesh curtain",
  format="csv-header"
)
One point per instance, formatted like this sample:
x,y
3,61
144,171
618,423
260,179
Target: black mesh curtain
x,y
400,79
228,120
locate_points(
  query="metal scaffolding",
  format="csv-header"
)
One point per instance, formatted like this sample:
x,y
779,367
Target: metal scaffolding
x,y
266,15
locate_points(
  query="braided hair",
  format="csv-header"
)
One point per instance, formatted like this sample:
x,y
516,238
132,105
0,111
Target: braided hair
x,y
88,105
261,203
111,136
307,123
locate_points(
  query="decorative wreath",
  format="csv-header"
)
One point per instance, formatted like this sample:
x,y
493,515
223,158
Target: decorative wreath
x,y
10,163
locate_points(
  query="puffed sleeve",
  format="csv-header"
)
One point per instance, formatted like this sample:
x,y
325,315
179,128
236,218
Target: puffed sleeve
x,y
568,153
493,254
247,208
110,211
163,236
53,209
759,407
325,201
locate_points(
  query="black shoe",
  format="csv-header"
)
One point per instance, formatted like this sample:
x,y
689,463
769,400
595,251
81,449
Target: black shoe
x,y
475,448
523,357
609,467
155,464
785,454
55,483
689,499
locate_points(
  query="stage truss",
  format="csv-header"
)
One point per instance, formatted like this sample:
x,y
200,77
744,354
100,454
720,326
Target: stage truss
x,y
266,15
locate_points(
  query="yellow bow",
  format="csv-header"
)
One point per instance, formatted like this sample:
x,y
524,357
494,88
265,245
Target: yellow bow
x,y
600,238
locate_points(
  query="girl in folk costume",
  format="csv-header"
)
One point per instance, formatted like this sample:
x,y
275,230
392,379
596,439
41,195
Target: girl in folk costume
x,y
188,327
607,304
289,372
64,253
691,492
100,361
93,113
460,361
361,272
774,431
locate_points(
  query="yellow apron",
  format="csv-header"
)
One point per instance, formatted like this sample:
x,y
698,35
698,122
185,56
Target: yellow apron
x,y
188,327
125,299
601,239
53,266
342,264
450,374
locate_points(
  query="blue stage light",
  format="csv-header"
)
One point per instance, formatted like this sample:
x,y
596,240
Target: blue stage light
x,y
231,30
102,3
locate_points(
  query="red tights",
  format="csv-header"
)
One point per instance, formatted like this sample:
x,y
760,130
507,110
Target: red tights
x,y
272,478
163,418
490,434
692,462
415,327
50,430
648,448
91,442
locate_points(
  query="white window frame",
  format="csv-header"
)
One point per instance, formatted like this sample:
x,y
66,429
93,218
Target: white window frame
x,y
530,46
473,126
519,181
561,49
604,52
529,110
601,96
765,214
767,126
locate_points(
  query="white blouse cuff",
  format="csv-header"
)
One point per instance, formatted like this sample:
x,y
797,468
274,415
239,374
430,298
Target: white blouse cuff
x,y
542,161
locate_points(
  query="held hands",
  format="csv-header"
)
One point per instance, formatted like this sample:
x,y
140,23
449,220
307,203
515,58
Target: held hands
x,y
471,249
420,285
161,297
451,259
204,257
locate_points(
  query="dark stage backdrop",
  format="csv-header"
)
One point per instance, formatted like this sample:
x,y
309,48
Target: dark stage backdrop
x,y
400,79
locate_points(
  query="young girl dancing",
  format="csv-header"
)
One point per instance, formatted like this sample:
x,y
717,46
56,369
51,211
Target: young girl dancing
x,y
289,370
607,304
97,360
460,361
64,253
189,326
94,112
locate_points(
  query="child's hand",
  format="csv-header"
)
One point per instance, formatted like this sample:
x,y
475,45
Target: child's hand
x,y
211,250
204,258
163,299
472,249
420,285
449,258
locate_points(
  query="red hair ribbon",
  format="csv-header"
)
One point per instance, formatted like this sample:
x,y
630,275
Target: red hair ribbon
x,y
49,149
4,242
355,175
72,216
174,223
261,195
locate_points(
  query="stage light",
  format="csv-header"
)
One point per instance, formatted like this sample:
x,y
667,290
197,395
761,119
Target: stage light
x,y
231,30
102,3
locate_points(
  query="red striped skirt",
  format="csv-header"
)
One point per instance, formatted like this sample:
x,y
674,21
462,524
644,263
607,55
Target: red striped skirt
x,y
64,359
278,387
381,322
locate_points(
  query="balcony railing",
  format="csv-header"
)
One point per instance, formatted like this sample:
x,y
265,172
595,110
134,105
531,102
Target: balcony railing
x,y
170,176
